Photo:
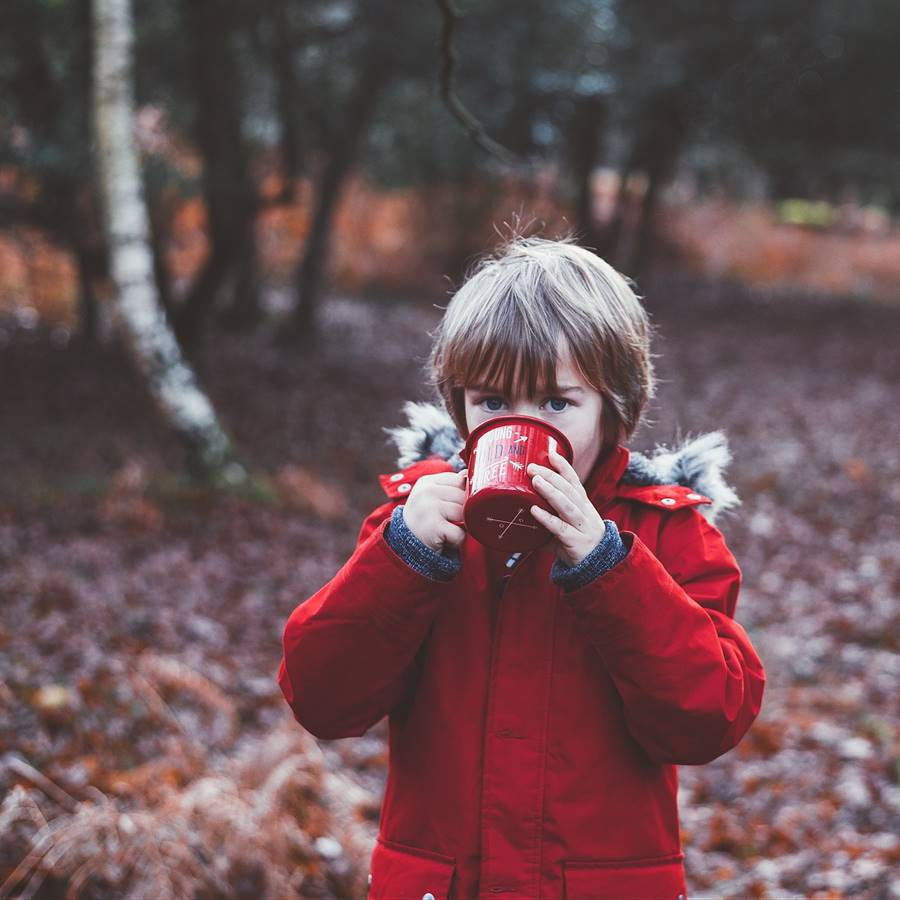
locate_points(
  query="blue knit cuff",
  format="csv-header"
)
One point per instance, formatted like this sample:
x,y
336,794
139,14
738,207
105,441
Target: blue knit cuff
x,y
417,554
610,551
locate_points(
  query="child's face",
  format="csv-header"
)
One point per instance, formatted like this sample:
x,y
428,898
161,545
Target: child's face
x,y
575,412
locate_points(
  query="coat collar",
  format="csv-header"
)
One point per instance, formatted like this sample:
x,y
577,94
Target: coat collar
x,y
696,463
600,484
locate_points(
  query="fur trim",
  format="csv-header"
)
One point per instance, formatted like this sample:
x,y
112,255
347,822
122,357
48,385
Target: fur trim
x,y
697,463
430,431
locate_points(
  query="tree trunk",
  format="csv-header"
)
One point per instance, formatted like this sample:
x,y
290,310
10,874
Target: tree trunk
x,y
149,339
609,239
301,327
160,265
666,129
584,150
245,312
229,190
87,299
473,202
645,244
286,94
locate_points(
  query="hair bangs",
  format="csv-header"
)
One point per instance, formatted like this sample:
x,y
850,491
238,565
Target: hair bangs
x,y
508,351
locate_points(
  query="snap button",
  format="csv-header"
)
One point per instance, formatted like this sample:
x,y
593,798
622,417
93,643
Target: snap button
x,y
428,896
669,501
695,496
370,878
404,488
396,476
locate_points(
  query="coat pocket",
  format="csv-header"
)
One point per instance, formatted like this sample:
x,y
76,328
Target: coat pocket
x,y
398,872
654,878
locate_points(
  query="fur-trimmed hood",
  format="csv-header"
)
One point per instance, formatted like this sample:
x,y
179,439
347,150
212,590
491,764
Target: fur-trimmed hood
x,y
697,463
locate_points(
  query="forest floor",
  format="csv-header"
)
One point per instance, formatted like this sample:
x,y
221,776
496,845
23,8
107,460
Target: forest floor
x,y
144,741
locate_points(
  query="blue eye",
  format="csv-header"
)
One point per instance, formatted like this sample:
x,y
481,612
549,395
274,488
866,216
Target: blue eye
x,y
489,400
554,400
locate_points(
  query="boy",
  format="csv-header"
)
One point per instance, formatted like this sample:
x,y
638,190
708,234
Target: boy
x,y
539,704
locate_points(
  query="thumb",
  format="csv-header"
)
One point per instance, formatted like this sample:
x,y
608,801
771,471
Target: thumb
x,y
454,535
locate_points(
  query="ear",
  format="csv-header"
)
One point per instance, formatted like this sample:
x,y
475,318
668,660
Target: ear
x,y
611,427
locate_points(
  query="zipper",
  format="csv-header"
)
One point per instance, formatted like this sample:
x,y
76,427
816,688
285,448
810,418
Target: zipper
x,y
504,578
516,560
513,563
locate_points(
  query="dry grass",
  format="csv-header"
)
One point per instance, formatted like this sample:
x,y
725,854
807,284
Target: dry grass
x,y
272,821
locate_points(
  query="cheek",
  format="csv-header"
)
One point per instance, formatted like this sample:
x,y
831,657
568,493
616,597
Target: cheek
x,y
582,452
475,416
585,441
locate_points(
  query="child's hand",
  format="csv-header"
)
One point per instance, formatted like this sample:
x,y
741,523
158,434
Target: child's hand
x,y
434,504
578,527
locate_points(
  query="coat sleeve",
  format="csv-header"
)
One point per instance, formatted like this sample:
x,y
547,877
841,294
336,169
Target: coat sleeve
x,y
350,650
690,681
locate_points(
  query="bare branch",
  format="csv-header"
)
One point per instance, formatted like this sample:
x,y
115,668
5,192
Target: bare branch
x,y
451,101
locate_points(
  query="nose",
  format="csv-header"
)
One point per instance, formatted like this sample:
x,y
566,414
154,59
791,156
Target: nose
x,y
524,408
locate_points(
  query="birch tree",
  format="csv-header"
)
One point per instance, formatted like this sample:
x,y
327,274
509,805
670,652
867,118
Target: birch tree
x,y
140,317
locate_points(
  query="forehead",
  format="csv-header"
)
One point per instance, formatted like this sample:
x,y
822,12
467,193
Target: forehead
x,y
568,378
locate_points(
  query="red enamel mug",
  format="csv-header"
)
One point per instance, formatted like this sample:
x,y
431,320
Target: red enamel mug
x,y
499,495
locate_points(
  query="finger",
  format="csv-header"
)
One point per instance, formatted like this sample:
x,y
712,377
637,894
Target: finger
x,y
452,511
553,524
453,534
564,467
555,480
452,478
449,492
552,476
569,511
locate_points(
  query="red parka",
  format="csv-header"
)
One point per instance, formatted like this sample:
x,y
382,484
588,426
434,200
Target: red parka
x,y
534,733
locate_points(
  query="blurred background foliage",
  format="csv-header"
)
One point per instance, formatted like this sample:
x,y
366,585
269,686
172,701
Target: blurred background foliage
x,y
288,147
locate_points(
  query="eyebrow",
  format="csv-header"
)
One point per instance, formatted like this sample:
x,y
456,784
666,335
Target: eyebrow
x,y
563,389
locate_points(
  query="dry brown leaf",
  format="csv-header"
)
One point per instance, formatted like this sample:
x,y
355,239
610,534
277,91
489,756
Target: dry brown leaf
x,y
131,511
306,491
857,469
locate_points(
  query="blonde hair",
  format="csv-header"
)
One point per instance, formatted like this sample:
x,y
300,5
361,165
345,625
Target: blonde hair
x,y
504,326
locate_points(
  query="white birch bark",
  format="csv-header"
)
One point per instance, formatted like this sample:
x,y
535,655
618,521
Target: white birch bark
x,y
137,309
